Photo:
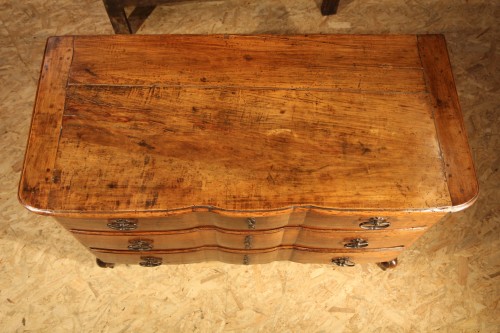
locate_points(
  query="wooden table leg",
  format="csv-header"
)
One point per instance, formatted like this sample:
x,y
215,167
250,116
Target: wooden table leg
x,y
117,16
329,7
138,16
129,25
123,24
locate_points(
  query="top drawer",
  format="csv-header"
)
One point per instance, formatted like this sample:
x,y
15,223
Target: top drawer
x,y
312,219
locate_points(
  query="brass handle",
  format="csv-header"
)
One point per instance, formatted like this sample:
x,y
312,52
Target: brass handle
x,y
140,245
150,261
375,223
251,223
356,243
343,262
123,224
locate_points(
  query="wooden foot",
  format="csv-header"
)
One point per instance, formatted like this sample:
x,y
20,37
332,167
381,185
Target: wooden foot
x,y
103,264
388,264
329,7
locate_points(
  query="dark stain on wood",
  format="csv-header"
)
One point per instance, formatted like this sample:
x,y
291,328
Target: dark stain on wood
x,y
88,70
152,202
112,185
144,144
56,176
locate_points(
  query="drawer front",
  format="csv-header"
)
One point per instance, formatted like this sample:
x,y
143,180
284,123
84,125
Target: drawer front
x,y
300,255
188,221
299,236
365,220
313,219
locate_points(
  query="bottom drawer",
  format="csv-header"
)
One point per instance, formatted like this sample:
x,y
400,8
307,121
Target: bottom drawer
x,y
231,256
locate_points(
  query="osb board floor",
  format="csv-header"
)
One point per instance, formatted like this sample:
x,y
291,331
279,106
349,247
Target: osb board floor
x,y
447,282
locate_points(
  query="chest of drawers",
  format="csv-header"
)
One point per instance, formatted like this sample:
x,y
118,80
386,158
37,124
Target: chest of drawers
x,y
247,149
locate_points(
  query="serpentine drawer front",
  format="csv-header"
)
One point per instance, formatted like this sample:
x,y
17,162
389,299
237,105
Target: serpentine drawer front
x,y
334,149
197,237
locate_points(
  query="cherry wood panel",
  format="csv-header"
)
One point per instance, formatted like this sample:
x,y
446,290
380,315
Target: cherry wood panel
x,y
377,63
318,219
296,236
459,167
300,255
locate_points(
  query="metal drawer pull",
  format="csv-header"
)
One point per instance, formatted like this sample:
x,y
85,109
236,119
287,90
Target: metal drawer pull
x,y
122,224
150,261
251,223
343,262
375,223
248,242
246,259
356,243
140,245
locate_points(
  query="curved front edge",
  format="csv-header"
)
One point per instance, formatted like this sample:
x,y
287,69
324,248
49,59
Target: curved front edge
x,y
457,160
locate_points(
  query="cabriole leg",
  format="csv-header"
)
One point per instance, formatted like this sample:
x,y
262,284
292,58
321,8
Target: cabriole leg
x,y
103,264
388,264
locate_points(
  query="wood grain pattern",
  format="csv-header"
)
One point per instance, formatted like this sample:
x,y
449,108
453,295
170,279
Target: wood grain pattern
x,y
289,236
287,148
157,124
39,175
233,256
460,172
360,63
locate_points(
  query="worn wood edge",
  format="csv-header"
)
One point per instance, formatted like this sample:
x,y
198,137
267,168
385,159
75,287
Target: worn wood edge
x,y
464,189
55,47
246,35
230,213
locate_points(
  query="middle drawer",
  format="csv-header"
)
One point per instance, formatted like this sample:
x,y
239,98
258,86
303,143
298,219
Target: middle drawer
x,y
203,236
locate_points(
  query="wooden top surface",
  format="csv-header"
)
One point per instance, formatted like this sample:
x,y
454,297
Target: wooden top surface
x,y
150,125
